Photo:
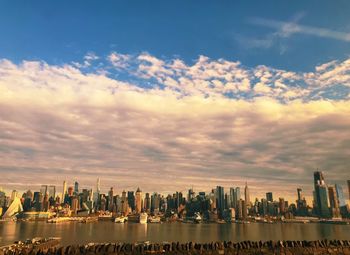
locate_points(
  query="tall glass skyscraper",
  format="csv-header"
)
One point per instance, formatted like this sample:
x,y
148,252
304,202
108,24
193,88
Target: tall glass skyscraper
x,y
321,195
340,195
220,200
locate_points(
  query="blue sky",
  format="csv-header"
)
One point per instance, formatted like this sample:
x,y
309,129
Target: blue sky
x,y
174,94
64,31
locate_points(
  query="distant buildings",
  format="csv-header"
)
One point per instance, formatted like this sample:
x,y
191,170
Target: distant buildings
x,y
329,202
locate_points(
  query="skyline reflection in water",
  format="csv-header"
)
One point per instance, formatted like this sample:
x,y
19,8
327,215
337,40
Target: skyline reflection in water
x,y
78,233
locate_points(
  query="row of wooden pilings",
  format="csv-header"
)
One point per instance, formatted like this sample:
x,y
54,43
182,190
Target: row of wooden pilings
x,y
213,248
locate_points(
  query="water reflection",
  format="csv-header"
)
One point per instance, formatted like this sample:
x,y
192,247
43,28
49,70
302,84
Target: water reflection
x,y
73,232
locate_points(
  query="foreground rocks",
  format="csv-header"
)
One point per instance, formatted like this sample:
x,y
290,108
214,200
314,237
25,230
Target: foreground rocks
x,y
213,248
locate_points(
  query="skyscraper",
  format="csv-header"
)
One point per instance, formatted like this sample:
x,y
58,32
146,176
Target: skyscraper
x,y
349,188
43,189
51,191
246,194
333,200
131,200
64,190
138,207
76,187
321,195
111,200
340,195
220,200
237,196
232,198
269,197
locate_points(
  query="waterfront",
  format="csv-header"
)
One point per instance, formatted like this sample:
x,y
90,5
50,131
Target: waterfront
x,y
78,233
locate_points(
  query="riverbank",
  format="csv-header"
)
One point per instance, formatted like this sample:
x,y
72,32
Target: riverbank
x,y
244,247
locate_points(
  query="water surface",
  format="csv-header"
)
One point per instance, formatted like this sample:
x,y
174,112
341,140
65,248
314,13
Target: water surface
x,y
78,233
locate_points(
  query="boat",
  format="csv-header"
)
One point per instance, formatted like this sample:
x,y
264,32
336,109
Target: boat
x,y
121,219
197,218
154,219
143,218
88,219
58,219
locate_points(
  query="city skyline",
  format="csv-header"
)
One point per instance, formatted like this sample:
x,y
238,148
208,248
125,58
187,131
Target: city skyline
x,y
159,95
76,187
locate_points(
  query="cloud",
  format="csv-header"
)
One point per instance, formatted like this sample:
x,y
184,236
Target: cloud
x,y
289,28
202,124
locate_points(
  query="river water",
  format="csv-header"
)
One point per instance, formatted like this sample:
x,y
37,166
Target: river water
x,y
79,233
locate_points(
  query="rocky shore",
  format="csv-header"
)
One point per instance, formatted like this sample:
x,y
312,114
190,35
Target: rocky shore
x,y
214,248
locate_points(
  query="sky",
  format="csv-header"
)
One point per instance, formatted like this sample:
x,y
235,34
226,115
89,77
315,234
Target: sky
x,y
166,95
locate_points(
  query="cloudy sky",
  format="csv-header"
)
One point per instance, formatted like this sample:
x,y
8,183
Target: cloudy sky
x,y
166,96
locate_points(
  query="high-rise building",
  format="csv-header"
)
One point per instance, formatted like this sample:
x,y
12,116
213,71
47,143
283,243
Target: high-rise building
x,y
76,188
334,203
64,190
43,189
147,203
269,197
300,196
51,191
14,194
237,196
191,194
125,205
220,200
246,194
111,200
349,188
232,198
340,195
138,207
321,195
70,191
282,205
131,200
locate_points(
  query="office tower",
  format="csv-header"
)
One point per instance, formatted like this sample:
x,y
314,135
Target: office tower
x,y
301,204
232,198
227,201
76,188
299,190
75,205
14,194
51,191
321,195
64,190
147,204
191,194
96,194
244,209
103,203
340,195
269,197
246,194
263,209
155,202
138,207
282,205
237,196
43,189
110,200
125,205
333,200
70,191
38,201
131,200
98,186
220,201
